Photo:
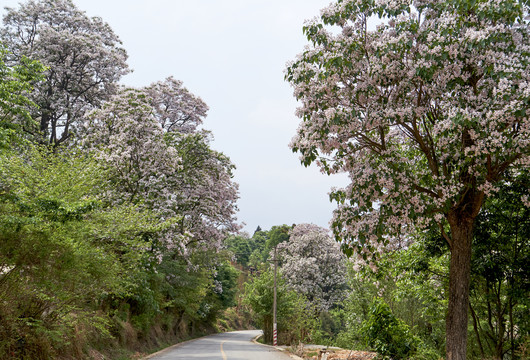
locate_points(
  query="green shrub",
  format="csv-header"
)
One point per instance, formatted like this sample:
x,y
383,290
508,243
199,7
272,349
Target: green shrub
x,y
387,335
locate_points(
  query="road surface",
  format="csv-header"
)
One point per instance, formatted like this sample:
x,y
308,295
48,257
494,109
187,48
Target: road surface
x,y
234,345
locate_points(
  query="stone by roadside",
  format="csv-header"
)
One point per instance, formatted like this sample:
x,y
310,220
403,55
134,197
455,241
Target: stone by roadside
x,y
312,352
352,355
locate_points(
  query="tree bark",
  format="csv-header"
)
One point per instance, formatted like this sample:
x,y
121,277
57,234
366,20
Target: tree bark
x,y
459,276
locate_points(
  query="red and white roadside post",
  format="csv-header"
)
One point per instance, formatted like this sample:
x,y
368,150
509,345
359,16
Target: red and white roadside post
x,y
274,326
274,335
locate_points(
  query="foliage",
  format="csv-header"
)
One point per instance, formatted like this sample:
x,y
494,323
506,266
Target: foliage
x,y
500,277
258,245
331,328
82,57
71,259
240,246
303,325
259,296
15,83
147,142
277,235
225,284
413,282
255,250
389,336
52,262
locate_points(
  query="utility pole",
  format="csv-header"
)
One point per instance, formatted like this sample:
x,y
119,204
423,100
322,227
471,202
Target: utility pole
x,y
274,326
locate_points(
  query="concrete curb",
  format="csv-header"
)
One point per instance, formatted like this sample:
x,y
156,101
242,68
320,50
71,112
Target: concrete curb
x,y
295,357
292,356
255,341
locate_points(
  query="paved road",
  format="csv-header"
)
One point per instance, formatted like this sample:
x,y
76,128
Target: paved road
x,y
234,345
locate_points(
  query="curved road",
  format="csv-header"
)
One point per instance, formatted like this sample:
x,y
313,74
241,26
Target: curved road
x,y
234,345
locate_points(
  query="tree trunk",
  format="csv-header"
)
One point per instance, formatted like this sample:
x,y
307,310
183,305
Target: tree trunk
x,y
267,329
512,339
459,275
477,333
44,124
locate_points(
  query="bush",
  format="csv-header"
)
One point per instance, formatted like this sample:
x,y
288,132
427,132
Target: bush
x,y
387,335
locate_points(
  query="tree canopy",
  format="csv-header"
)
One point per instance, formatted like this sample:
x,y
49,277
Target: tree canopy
x,y
83,60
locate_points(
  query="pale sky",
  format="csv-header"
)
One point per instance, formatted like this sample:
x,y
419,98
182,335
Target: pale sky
x,y
232,53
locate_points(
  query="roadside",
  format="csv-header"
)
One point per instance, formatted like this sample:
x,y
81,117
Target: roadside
x,y
315,352
312,352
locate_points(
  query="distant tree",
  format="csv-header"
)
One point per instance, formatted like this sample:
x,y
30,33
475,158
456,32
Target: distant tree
x,y
258,229
240,247
257,244
259,239
277,235
426,113
83,59
313,265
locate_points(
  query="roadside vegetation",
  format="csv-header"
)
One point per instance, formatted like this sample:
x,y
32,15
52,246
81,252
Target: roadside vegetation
x,y
397,306
113,205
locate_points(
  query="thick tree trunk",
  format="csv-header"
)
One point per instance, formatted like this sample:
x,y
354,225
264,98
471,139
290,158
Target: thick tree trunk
x,y
459,275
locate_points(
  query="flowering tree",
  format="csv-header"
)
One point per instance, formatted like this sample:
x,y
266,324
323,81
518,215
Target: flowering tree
x,y
313,265
83,57
426,113
174,173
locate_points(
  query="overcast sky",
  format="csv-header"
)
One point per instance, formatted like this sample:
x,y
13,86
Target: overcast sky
x,y
232,53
